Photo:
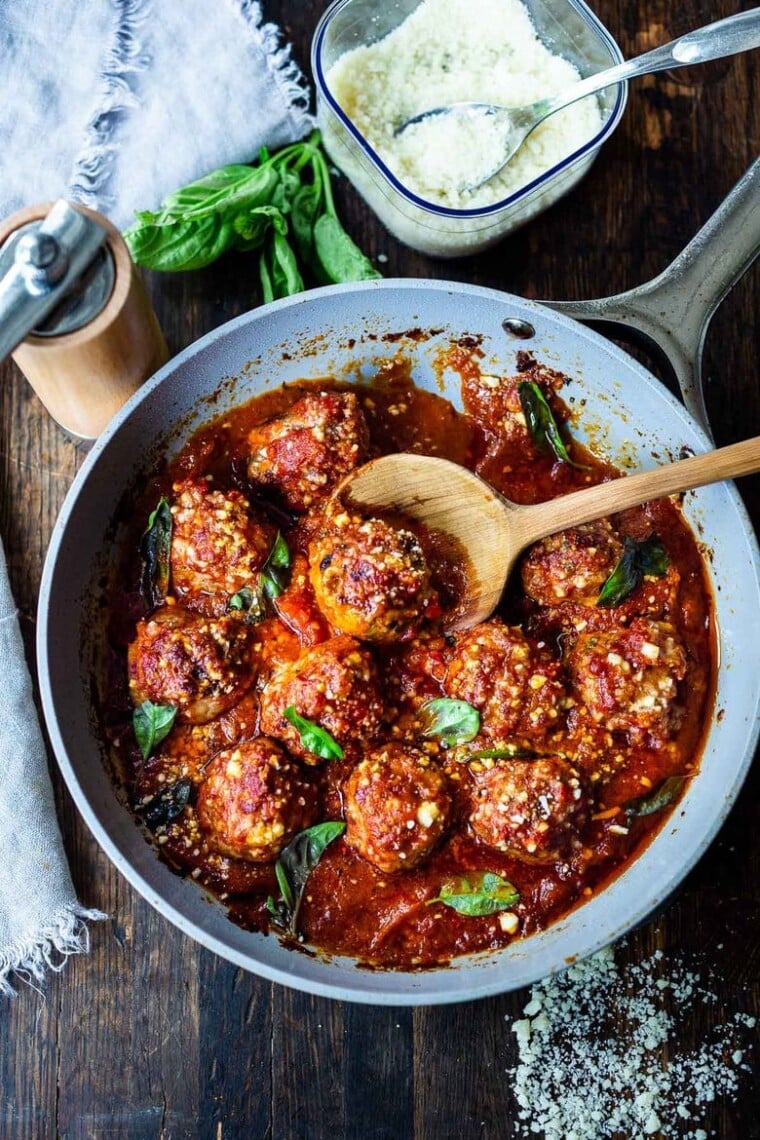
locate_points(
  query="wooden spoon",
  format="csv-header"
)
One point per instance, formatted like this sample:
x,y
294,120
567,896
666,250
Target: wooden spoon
x,y
494,531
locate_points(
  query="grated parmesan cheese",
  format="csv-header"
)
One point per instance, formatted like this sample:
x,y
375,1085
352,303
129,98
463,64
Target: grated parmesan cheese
x,y
442,53
598,1053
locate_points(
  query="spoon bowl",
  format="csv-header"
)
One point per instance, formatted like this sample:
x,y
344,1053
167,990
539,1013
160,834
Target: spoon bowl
x,y
505,129
493,532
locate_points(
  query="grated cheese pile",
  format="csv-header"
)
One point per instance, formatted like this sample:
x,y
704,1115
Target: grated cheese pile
x,y
446,51
598,1053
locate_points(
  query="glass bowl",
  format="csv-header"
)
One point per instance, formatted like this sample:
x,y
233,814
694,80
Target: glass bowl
x,y
567,27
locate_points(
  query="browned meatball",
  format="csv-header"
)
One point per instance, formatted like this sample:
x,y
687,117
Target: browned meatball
x,y
335,684
627,678
219,543
532,809
572,566
397,807
514,687
371,579
305,452
496,400
254,800
201,665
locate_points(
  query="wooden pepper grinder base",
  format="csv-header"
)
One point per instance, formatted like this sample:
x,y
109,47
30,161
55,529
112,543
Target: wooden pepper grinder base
x,y
84,376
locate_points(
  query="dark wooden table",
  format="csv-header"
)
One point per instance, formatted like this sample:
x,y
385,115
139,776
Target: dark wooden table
x,y
151,1035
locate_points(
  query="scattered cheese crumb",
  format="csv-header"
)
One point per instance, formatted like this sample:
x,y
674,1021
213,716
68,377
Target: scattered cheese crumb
x,y
599,1058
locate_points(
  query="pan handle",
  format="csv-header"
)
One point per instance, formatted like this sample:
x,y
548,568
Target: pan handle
x,y
674,309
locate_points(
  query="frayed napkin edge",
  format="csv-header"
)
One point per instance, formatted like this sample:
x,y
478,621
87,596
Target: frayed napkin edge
x,y
94,165
48,948
286,73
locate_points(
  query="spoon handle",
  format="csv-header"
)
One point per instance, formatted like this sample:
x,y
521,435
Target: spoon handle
x,y
735,34
535,522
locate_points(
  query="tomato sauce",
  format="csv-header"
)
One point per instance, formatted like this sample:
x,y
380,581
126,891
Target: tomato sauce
x,y
387,920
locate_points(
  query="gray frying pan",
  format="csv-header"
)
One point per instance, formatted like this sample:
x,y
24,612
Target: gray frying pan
x,y
345,330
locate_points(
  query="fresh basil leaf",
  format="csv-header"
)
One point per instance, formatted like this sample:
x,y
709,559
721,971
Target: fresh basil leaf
x,y
252,226
508,753
289,183
478,895
638,560
265,277
304,212
541,422
180,244
284,273
225,180
249,602
272,581
166,805
284,884
668,791
295,864
275,573
155,552
247,193
653,558
337,255
454,722
151,724
314,738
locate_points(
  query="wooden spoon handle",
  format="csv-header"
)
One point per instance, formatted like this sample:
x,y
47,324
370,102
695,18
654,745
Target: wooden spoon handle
x,y
535,522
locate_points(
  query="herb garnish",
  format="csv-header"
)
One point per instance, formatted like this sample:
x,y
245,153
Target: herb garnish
x,y
295,864
274,573
665,794
478,894
259,207
511,752
167,804
455,722
155,550
250,603
272,581
314,738
638,560
151,724
541,422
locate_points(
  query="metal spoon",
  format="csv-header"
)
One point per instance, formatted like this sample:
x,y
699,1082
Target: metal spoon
x,y
714,41
494,531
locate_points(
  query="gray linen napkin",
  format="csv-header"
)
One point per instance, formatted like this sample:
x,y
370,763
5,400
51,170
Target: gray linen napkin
x,y
41,922
114,104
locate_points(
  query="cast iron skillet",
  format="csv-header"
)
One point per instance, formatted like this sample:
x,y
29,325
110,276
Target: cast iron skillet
x,y
345,330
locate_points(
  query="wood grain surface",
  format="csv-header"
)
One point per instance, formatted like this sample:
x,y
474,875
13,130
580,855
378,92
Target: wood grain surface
x,y
151,1036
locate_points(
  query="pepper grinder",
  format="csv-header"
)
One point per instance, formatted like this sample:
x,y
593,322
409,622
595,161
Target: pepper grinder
x,y
75,314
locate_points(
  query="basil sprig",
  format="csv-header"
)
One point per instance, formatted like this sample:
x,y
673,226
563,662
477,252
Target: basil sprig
x,y
541,423
452,721
273,579
478,894
155,551
314,738
295,864
152,724
282,206
638,560
167,804
668,791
